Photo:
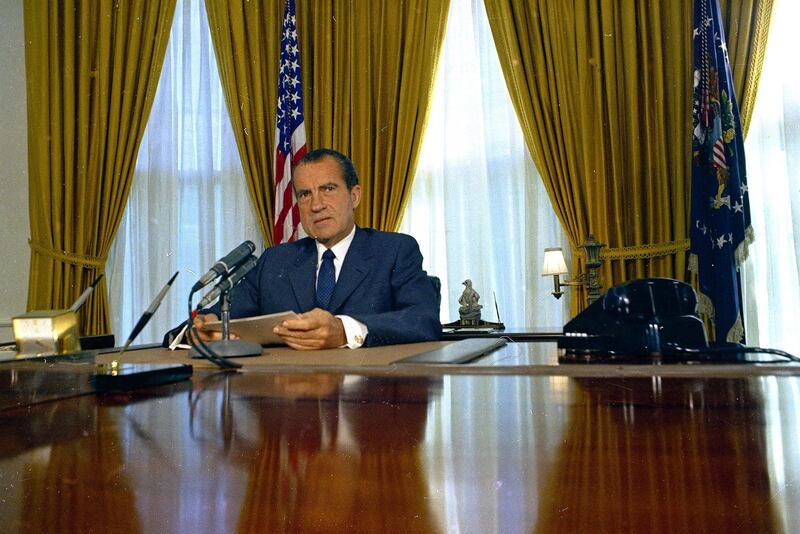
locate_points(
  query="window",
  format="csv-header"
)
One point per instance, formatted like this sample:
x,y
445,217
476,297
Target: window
x,y
478,206
772,148
476,192
189,203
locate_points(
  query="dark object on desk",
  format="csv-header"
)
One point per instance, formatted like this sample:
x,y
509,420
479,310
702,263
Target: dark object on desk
x,y
100,341
117,376
638,318
462,351
509,334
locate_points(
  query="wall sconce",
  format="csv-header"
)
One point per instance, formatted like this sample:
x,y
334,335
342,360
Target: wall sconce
x,y
554,265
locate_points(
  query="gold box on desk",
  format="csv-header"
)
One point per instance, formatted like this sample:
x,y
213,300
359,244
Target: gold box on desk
x,y
46,332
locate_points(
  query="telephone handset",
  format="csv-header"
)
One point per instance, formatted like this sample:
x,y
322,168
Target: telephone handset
x,y
640,317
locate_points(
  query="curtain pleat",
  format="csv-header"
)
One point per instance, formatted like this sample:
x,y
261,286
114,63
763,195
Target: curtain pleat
x,y
246,37
367,74
600,89
92,72
371,82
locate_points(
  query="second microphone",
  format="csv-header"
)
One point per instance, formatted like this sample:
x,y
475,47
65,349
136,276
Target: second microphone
x,y
226,264
229,282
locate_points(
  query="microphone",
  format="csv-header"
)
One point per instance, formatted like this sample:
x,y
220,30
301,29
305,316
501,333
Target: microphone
x,y
228,282
226,264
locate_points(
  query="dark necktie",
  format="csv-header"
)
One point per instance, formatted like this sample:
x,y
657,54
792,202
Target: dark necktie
x,y
326,279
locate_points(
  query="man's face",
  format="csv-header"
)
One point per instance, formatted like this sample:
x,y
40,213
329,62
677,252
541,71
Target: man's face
x,y
326,205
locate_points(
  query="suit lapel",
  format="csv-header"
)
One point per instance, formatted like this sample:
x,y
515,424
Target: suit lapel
x,y
303,276
355,267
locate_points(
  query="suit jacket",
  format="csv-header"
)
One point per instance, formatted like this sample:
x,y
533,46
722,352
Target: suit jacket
x,y
381,284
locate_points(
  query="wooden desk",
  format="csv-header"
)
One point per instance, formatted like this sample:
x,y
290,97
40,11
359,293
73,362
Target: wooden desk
x,y
536,451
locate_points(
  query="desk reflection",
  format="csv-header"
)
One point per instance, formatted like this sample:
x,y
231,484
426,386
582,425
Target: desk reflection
x,y
340,453
661,455
338,456
60,481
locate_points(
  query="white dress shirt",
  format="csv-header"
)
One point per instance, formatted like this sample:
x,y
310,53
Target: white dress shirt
x,y
354,331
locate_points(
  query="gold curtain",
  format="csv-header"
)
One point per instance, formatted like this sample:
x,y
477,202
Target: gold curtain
x,y
600,88
746,24
246,37
367,74
369,91
92,70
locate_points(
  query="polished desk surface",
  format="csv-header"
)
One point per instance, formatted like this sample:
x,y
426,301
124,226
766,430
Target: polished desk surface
x,y
264,450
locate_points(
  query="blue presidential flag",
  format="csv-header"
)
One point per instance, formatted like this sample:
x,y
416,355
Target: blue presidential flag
x,y
720,224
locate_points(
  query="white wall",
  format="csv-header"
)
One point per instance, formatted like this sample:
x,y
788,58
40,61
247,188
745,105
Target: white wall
x,y
14,228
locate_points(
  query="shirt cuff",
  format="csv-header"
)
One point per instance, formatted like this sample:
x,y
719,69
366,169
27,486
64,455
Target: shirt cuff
x,y
355,331
178,342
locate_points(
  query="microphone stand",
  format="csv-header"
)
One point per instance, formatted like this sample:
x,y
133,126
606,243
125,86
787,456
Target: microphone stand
x,y
227,347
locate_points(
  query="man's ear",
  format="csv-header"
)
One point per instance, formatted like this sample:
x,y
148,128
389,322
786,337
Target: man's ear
x,y
355,195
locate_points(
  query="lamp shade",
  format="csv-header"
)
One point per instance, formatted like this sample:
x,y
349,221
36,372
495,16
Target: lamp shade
x,y
554,262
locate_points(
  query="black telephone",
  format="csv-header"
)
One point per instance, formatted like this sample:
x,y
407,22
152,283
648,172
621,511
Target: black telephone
x,y
642,317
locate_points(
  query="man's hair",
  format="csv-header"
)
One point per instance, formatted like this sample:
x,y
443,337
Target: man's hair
x,y
345,165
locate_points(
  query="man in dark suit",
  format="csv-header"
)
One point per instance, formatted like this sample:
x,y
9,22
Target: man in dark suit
x,y
350,286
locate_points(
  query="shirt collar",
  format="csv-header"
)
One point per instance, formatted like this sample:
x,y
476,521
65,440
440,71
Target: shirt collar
x,y
339,249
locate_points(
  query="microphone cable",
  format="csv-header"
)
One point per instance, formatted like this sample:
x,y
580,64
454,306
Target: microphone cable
x,y
722,353
734,349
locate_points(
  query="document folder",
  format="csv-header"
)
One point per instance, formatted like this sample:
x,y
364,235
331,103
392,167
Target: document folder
x,y
462,351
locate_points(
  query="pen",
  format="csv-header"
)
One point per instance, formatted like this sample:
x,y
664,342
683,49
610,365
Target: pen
x,y
148,313
85,295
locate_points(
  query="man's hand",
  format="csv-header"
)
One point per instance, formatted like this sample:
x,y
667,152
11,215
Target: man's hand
x,y
208,335
317,329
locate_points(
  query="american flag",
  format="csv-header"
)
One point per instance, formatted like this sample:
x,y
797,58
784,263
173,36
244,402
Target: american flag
x,y
290,131
720,231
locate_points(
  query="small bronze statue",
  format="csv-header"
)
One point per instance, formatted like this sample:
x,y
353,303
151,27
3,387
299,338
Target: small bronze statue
x,y
470,310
